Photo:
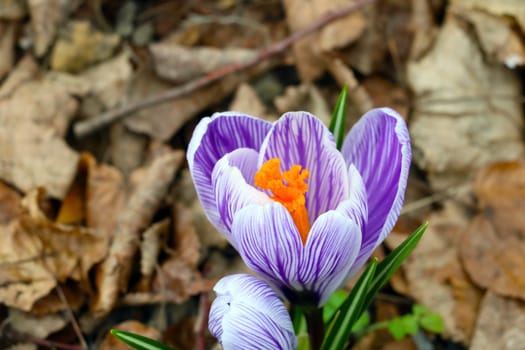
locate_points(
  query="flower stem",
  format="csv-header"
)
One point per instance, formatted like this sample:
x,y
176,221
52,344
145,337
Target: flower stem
x,y
315,326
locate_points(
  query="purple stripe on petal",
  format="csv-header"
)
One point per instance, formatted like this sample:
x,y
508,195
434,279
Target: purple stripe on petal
x,y
331,248
269,243
212,139
232,192
379,147
301,138
247,314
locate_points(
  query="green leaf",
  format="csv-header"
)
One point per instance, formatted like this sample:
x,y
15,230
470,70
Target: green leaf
x,y
396,328
432,322
341,328
393,261
298,320
362,323
337,125
410,324
303,342
139,342
333,304
419,310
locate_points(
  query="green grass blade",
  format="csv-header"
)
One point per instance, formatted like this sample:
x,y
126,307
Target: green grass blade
x,y
349,312
337,125
139,342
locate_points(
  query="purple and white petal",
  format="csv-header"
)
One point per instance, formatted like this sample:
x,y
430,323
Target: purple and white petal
x,y
331,248
269,243
356,206
232,191
248,314
379,147
301,138
214,137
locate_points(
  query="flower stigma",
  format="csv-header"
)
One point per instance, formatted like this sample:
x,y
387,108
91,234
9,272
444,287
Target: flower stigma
x,y
288,188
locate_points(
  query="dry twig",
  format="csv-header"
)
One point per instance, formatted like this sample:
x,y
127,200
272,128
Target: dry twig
x,y
89,126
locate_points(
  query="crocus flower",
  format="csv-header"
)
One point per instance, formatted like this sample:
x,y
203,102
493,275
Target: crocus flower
x,y
247,314
302,215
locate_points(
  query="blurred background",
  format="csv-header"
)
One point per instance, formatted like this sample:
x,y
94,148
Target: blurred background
x,y
100,226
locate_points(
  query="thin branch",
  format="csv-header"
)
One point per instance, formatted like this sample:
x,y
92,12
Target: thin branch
x,y
89,126
72,318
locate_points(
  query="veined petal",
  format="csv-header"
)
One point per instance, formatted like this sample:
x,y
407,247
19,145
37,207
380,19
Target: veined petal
x,y
300,138
332,247
356,206
213,138
379,147
247,314
232,192
269,243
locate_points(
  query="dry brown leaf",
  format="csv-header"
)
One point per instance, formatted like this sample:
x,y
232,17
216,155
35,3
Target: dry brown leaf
x,y
436,278
180,64
80,46
13,9
113,274
500,325
111,342
7,49
73,207
308,51
45,19
127,149
38,253
105,198
10,205
25,70
36,326
247,101
511,8
73,293
305,97
493,248
499,40
385,93
457,92
153,240
163,120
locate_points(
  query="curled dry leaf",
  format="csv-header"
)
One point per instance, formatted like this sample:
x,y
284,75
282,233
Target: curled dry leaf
x,y
111,342
493,245
457,92
80,46
10,205
45,19
308,51
510,8
152,241
113,274
7,49
500,325
36,326
38,253
180,64
436,278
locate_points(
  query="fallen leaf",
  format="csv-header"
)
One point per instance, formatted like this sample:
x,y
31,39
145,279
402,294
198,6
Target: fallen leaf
x,y
25,70
500,325
454,90
436,278
36,326
153,240
38,254
493,245
45,19
111,342
113,274
80,46
7,49
247,101
13,9
385,93
308,51
127,149
52,303
510,8
499,40
305,97
180,64
10,205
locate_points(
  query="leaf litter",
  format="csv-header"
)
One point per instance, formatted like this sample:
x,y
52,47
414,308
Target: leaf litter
x,y
108,225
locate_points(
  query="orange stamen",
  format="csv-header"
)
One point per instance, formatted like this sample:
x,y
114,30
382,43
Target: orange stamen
x,y
288,189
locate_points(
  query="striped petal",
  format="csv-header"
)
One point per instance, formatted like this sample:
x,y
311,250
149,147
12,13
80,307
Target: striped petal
x,y
269,243
230,183
379,147
301,138
247,314
330,251
213,138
